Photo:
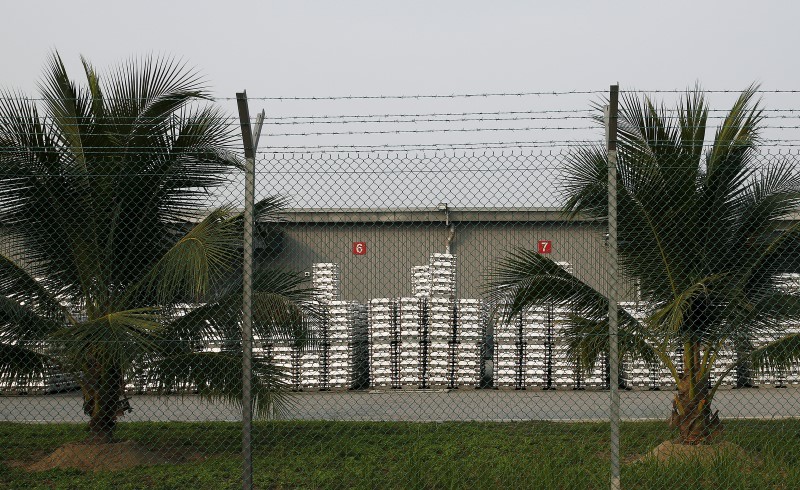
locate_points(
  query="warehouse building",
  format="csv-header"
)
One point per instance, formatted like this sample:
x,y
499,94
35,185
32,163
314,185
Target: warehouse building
x,y
376,249
379,256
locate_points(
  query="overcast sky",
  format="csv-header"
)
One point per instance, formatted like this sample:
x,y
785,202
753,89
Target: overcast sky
x,y
372,47
331,48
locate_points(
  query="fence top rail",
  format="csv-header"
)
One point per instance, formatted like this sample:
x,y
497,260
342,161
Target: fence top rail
x,y
429,215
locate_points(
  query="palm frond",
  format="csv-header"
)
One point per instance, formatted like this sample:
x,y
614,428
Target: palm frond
x,y
728,166
143,94
118,339
588,340
525,279
693,120
22,365
778,355
69,107
201,257
18,285
585,183
674,316
283,308
19,323
218,376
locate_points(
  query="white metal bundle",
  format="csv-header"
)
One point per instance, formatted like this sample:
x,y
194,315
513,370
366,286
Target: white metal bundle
x,y
325,281
410,338
442,272
381,332
421,281
338,344
507,349
470,327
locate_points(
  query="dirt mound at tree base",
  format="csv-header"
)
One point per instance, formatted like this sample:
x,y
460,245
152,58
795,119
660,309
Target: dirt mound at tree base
x,y
670,451
109,457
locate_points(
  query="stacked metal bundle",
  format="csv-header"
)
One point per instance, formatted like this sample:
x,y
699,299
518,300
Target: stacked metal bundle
x,y
328,364
325,281
563,371
410,340
530,350
470,326
383,333
310,368
789,282
280,354
509,350
421,281
337,345
441,336
537,334
442,273
296,368
545,360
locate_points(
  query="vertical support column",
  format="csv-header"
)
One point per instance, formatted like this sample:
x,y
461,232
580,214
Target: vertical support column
x,y
613,348
247,295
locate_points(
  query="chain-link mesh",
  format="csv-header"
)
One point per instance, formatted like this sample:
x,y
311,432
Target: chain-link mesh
x,y
421,318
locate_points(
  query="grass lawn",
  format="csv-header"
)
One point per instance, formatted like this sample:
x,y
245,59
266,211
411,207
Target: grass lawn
x,y
470,455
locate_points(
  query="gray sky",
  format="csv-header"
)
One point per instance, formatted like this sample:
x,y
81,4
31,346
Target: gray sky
x,y
372,47
325,48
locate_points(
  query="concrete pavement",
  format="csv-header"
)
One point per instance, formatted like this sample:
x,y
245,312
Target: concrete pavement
x,y
419,406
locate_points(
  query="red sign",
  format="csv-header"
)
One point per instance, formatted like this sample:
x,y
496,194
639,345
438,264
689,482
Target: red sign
x,y
359,248
544,246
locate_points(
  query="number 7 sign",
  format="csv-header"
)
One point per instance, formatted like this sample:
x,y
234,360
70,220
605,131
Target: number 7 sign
x,y
544,246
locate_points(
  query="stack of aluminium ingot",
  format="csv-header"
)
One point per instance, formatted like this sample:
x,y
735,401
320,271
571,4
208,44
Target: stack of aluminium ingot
x,y
325,281
441,335
409,348
421,281
509,349
313,363
338,356
442,273
470,324
382,335
538,336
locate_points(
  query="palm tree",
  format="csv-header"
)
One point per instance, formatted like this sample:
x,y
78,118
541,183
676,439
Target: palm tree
x,y
701,231
114,271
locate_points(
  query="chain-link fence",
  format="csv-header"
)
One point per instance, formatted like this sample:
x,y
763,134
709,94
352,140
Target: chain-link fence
x,y
420,318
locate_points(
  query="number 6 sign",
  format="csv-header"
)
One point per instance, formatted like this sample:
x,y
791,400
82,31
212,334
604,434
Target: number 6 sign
x,y
544,246
359,248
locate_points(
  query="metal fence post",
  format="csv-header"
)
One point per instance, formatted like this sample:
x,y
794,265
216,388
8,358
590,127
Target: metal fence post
x,y
613,348
247,295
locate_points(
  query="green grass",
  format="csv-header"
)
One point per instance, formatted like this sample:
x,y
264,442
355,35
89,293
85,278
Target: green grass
x,y
412,455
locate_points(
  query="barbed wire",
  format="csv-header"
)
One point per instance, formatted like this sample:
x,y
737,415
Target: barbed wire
x,y
434,114
417,118
428,130
465,95
340,148
424,96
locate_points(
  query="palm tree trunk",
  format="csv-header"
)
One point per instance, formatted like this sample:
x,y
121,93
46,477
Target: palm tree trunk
x,y
691,408
101,395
